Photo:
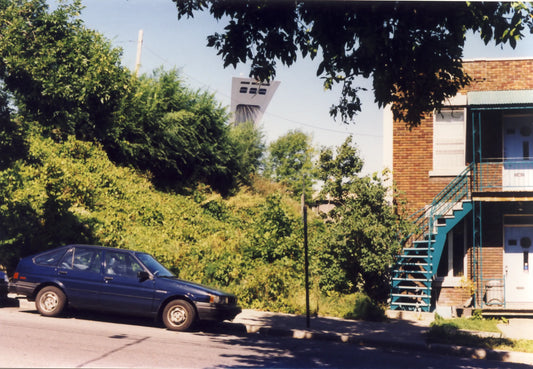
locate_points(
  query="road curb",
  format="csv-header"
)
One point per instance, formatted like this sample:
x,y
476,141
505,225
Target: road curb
x,y
452,350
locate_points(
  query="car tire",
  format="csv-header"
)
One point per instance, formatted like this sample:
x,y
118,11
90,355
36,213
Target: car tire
x,y
179,315
50,301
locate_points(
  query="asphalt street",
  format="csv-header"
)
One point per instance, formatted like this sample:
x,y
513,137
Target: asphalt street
x,y
85,340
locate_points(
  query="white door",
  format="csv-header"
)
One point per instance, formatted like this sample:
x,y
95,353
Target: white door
x,y
517,260
518,152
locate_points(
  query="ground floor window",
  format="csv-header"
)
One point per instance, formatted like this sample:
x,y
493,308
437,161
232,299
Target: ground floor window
x,y
452,262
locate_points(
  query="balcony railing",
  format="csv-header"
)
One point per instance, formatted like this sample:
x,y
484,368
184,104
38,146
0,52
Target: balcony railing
x,y
498,175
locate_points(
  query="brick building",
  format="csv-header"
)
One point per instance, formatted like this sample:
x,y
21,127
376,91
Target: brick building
x,y
468,173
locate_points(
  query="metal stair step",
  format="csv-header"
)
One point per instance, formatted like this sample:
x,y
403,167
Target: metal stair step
x,y
416,251
411,268
412,279
425,275
411,287
409,303
410,295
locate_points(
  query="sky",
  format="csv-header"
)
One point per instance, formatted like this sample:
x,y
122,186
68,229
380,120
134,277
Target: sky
x,y
300,103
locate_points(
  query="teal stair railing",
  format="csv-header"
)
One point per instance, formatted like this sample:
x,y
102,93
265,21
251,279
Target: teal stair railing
x,y
415,267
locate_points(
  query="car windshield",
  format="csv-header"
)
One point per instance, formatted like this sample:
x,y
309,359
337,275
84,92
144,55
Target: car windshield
x,y
153,265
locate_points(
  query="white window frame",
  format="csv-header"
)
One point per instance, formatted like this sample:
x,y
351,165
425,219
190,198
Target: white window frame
x,y
449,142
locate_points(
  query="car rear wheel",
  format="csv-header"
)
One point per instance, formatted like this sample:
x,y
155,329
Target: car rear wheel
x,y
179,315
50,301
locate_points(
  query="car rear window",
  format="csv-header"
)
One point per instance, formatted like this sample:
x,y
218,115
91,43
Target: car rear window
x,y
49,258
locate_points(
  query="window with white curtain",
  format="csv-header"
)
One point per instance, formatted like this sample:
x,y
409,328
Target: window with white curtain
x,y
449,137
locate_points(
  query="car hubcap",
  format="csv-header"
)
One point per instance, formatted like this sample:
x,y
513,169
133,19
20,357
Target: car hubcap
x,y
177,315
49,301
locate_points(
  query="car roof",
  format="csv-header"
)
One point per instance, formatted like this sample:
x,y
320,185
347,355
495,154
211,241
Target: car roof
x,y
93,247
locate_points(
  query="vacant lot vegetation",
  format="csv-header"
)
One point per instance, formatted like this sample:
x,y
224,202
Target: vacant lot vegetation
x,y
96,155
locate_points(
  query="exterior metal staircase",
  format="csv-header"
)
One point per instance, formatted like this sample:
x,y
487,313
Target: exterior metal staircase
x,y
416,266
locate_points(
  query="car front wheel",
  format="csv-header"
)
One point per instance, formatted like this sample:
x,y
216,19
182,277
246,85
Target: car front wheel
x,y
179,315
50,301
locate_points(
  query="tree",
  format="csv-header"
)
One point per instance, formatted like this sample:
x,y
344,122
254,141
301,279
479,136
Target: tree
x,y
289,161
179,135
363,228
12,145
59,73
68,80
412,50
248,146
339,171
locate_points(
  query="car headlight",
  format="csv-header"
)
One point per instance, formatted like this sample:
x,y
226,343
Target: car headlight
x,y
215,299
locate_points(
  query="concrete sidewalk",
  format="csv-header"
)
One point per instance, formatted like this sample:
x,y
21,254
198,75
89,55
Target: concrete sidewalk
x,y
409,332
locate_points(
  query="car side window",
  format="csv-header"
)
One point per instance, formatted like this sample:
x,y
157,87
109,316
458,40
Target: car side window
x,y
67,261
50,258
82,259
121,264
96,263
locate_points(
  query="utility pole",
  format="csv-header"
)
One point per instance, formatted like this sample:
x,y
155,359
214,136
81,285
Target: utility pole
x,y
306,256
139,52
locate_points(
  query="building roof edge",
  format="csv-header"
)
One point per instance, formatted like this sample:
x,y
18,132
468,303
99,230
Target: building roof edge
x,y
497,59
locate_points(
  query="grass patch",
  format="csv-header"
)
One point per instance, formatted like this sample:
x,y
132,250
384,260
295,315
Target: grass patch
x,y
356,306
471,324
449,331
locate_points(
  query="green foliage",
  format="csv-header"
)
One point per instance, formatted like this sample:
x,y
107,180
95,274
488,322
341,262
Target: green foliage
x,y
411,50
289,162
69,112
64,76
248,146
72,193
249,243
178,135
68,79
339,171
477,314
366,309
361,239
12,145
474,323
452,331
276,233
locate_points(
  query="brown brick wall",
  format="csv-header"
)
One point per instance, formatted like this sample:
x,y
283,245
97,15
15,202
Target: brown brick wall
x,y
492,268
489,177
492,262
412,150
491,75
451,296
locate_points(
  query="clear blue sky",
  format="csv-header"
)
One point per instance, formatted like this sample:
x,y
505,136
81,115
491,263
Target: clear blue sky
x,y
299,103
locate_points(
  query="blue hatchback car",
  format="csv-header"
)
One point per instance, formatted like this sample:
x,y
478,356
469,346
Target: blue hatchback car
x,y
117,280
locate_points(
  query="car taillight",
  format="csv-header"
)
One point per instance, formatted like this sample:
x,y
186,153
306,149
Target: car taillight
x,y
17,276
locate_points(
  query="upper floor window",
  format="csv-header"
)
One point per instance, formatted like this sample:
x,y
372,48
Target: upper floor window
x,y
449,137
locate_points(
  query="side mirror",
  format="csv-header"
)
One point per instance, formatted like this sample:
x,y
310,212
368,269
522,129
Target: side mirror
x,y
143,275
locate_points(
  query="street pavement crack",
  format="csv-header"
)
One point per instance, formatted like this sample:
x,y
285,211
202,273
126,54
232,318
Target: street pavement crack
x,y
136,342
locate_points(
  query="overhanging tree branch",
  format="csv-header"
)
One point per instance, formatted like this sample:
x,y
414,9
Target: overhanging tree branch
x,y
412,50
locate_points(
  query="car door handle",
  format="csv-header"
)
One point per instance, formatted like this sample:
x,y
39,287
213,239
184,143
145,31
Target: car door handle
x,y
107,279
63,272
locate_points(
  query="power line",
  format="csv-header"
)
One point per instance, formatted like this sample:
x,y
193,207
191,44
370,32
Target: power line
x,y
267,113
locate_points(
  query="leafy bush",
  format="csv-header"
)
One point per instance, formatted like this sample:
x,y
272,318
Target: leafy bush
x,y
70,192
366,309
